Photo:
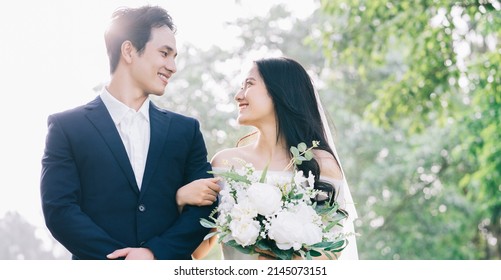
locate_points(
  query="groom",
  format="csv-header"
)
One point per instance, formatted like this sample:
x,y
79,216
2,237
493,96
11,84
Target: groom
x,y
111,168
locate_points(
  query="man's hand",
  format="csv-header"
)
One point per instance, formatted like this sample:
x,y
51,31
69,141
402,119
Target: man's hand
x,y
132,254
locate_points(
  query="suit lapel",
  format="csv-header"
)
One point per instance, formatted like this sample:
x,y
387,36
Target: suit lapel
x,y
101,119
159,127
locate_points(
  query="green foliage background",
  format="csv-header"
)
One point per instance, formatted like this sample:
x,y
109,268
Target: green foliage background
x,y
432,73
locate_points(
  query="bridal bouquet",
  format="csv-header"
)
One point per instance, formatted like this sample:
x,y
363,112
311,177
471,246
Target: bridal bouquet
x,y
276,217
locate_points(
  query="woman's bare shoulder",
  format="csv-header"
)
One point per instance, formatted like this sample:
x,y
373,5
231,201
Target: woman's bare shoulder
x,y
228,157
329,166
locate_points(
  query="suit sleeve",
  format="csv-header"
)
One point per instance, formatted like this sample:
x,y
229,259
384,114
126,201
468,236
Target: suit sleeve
x,y
186,234
60,194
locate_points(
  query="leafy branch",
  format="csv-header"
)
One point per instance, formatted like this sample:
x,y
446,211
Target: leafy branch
x,y
301,153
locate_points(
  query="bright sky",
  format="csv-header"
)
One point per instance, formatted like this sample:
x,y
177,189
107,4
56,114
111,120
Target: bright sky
x,y
51,56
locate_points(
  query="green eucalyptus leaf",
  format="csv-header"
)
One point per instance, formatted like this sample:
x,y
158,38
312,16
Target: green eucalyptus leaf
x,y
302,147
330,226
294,151
283,254
207,224
322,244
211,234
308,155
235,177
314,253
339,245
263,245
263,175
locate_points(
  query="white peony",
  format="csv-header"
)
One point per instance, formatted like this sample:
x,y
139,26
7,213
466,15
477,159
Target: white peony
x,y
267,199
245,231
284,230
312,234
311,231
293,228
307,214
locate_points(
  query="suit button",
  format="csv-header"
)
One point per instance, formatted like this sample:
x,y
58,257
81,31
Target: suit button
x,y
141,208
142,243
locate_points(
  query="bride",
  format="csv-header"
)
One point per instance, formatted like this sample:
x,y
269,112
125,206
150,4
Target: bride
x,y
277,98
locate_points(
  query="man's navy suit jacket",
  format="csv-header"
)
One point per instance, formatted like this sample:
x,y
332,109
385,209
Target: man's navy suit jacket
x,y
90,199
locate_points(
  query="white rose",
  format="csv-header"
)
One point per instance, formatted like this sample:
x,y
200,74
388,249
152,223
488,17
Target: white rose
x,y
245,231
267,199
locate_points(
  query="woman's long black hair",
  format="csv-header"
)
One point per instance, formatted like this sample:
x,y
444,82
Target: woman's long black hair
x,y
296,109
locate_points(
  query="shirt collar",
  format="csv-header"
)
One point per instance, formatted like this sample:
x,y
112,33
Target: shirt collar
x,y
118,110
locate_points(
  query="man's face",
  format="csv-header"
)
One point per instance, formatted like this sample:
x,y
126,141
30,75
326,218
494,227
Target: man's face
x,y
152,68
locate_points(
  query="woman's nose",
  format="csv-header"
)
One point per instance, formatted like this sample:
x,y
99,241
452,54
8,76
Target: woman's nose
x,y
239,96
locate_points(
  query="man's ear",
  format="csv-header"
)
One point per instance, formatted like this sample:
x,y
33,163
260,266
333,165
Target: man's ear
x,y
127,50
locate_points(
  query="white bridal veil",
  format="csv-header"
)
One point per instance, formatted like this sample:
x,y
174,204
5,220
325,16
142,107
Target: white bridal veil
x,y
344,196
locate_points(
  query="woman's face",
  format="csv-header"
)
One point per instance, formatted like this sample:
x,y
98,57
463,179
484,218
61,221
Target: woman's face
x,y
255,106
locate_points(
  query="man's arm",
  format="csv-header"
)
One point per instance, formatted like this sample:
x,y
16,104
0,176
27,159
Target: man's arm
x,y
61,193
182,238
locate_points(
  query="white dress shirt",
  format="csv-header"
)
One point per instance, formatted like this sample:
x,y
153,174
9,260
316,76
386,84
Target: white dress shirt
x,y
134,130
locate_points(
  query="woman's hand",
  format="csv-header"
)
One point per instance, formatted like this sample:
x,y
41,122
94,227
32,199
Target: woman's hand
x,y
201,192
205,247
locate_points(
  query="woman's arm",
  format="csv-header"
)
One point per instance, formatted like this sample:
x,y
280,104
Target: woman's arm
x,y
201,192
204,248
329,167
